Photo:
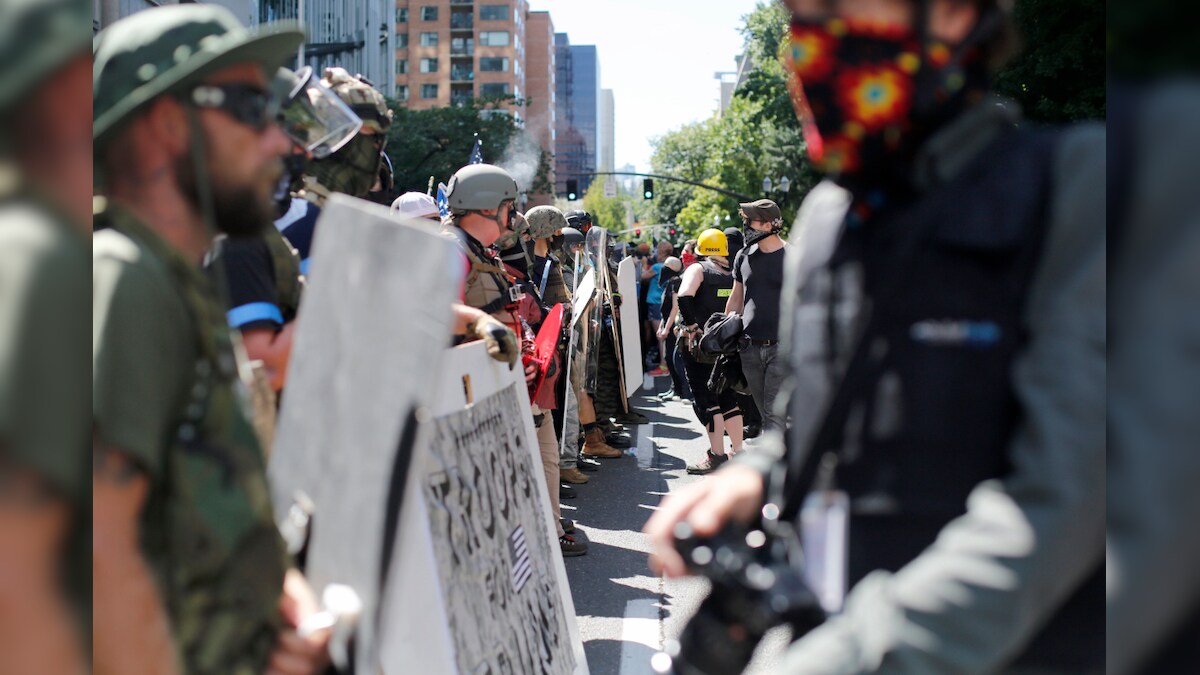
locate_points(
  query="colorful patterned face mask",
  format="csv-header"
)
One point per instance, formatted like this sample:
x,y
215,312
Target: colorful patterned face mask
x,y
865,93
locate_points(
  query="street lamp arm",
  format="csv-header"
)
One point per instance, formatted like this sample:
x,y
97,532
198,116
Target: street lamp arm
x,y
727,193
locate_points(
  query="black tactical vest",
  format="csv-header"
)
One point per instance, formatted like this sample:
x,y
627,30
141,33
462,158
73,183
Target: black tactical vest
x,y
925,410
713,292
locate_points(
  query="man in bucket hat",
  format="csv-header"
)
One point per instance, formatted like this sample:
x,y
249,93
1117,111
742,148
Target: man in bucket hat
x,y
757,294
190,572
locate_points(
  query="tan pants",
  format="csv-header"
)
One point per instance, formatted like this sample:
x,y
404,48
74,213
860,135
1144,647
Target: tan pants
x,y
548,447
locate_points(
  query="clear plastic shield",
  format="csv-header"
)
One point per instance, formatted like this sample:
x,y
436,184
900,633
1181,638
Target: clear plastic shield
x,y
595,247
583,292
315,117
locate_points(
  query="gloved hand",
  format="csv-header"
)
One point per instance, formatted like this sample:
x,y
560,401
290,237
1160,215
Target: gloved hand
x,y
501,341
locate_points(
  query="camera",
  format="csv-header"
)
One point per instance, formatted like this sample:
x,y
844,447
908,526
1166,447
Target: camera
x,y
756,585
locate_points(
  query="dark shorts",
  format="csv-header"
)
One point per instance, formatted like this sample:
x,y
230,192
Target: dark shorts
x,y
654,312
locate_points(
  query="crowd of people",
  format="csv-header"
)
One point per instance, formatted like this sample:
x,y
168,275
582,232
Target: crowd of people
x,y
915,393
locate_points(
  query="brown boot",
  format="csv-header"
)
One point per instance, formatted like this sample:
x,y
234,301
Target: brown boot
x,y
573,475
594,445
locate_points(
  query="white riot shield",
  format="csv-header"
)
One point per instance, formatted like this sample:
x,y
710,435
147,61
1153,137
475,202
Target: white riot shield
x,y
370,336
478,584
630,324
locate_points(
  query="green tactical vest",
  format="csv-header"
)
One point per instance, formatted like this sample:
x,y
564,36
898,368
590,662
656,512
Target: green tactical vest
x,y
285,261
208,530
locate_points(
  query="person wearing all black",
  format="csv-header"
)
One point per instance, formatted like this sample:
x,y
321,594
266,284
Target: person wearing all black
x,y
703,292
752,419
669,277
757,291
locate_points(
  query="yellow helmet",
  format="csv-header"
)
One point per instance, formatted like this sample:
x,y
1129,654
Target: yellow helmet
x,y
712,242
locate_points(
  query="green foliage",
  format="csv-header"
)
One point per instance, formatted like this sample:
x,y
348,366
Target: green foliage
x,y
541,181
1151,39
764,30
1060,75
607,212
757,137
437,142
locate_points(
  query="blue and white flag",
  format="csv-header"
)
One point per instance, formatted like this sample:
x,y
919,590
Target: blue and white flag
x,y
476,153
443,203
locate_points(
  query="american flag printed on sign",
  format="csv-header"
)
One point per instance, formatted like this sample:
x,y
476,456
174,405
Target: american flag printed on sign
x,y
518,552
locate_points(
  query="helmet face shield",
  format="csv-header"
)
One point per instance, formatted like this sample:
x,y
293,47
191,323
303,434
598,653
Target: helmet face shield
x,y
316,118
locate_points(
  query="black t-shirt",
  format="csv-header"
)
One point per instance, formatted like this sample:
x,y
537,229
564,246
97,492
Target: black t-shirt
x,y
250,279
298,226
669,292
761,275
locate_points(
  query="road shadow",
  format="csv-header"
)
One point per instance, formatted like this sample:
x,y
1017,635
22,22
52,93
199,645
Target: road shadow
x,y
666,462
604,657
682,433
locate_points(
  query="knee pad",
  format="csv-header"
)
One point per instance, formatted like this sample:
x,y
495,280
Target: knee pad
x,y
710,418
731,410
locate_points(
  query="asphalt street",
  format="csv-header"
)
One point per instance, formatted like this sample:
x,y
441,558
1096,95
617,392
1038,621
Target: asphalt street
x,y
624,611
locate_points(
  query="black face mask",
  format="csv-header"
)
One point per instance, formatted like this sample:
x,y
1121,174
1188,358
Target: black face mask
x,y
556,242
754,236
294,166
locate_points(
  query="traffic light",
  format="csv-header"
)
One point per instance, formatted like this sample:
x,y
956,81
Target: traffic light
x,y
637,233
648,188
572,190
672,232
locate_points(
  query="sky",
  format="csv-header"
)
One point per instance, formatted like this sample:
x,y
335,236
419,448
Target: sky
x,y
658,57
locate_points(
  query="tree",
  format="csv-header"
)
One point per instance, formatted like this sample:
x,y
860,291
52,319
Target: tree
x,y
437,142
757,137
607,212
1060,74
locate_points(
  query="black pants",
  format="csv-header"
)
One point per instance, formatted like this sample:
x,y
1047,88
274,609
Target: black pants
x,y
677,381
704,402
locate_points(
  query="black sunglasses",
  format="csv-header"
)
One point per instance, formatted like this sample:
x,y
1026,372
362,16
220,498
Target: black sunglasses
x,y
248,104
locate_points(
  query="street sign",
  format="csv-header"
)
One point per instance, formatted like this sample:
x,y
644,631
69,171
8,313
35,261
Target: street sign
x,y
610,189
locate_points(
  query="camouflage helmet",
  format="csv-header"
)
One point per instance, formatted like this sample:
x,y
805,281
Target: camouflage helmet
x,y
480,187
544,221
363,98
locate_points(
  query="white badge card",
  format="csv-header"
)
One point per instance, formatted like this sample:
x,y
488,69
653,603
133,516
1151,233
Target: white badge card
x,y
824,524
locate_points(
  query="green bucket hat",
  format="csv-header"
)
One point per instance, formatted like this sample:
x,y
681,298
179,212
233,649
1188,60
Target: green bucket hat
x,y
163,50
37,37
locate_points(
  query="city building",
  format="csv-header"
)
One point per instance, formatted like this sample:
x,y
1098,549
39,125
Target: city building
x,y
606,159
105,12
731,80
629,184
448,51
353,34
541,111
578,83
